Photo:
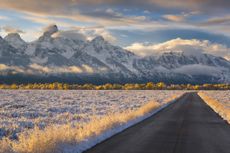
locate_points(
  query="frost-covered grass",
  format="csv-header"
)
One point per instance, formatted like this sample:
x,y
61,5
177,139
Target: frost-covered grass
x,y
219,101
71,121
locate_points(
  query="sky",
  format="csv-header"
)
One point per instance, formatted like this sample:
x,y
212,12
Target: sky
x,y
140,26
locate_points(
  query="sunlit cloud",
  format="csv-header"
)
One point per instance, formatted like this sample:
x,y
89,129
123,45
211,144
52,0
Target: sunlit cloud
x,y
192,46
88,19
94,31
39,69
179,17
9,29
36,68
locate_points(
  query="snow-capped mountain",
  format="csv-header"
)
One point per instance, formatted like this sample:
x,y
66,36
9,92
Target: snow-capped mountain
x,y
16,41
10,55
58,57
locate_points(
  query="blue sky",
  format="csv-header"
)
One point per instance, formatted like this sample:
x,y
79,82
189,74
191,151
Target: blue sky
x,y
121,22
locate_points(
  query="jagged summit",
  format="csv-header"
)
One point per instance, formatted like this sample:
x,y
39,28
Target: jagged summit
x,y
48,32
12,36
15,40
1,39
98,39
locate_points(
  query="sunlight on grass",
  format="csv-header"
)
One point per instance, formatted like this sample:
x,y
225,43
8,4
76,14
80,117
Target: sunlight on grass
x,y
53,138
217,106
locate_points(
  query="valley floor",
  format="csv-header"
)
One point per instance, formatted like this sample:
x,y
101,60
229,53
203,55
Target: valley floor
x,y
73,121
187,126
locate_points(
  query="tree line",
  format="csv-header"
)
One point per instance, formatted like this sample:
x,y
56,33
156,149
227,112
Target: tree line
x,y
108,86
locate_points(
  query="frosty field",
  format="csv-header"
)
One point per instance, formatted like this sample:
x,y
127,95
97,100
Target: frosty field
x,y
21,110
219,101
220,96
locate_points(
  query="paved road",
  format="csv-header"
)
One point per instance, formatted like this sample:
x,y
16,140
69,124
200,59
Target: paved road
x,y
187,126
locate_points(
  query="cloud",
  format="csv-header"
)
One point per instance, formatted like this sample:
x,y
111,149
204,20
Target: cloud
x,y
9,29
39,69
93,11
102,13
216,21
180,17
189,46
176,18
146,12
43,69
67,6
111,14
66,69
87,68
94,31
12,69
45,20
3,67
89,16
4,18
198,69
71,34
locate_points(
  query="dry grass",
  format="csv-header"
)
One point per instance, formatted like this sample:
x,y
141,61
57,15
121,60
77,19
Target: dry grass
x,y
218,107
51,138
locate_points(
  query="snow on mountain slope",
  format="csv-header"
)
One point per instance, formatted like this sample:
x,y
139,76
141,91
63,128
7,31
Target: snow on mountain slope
x,y
10,55
54,51
68,52
16,41
116,58
177,59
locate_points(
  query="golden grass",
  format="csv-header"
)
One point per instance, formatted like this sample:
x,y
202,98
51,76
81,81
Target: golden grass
x,y
218,107
52,138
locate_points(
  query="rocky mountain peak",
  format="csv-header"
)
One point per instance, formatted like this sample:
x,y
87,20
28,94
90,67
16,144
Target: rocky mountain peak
x,y
15,40
48,32
13,36
98,39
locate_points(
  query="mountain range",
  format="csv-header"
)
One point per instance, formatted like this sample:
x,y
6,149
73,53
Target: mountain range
x,y
70,59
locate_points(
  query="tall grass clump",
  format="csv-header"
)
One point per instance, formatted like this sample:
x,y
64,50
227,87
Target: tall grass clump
x,y
217,106
54,139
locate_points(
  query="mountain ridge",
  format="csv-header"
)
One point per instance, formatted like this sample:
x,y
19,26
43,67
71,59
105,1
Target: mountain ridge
x,y
97,61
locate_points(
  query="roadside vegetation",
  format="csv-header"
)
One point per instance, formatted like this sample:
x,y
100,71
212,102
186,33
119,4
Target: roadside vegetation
x,y
220,107
76,137
108,86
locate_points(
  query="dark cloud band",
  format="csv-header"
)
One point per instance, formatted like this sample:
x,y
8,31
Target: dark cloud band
x,y
67,6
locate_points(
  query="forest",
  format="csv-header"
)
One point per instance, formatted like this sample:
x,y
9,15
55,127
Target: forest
x,y
108,86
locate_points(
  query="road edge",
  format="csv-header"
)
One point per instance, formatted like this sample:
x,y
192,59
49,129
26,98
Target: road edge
x,y
113,132
216,106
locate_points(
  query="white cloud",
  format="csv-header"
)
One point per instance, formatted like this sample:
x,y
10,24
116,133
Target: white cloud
x,y
40,68
71,34
13,69
3,67
4,18
191,46
112,12
87,68
92,32
65,69
198,69
9,29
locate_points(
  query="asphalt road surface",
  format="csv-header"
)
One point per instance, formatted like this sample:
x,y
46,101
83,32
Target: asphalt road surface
x,y
186,126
